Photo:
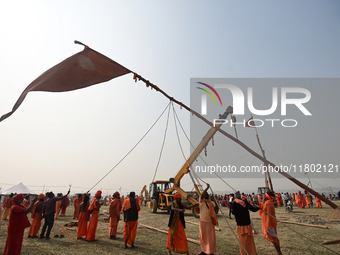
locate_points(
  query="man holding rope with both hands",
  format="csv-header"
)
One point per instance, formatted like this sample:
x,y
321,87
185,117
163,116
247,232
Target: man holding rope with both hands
x,y
269,222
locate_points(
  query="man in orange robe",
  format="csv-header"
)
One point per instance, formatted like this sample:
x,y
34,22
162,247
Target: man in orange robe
x,y
318,202
26,202
240,208
76,203
130,208
208,221
177,239
58,206
302,201
296,199
309,201
279,200
269,222
64,204
18,221
8,202
36,216
83,217
94,210
114,211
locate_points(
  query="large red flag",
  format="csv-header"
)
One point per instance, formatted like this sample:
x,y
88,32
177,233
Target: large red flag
x,y
81,70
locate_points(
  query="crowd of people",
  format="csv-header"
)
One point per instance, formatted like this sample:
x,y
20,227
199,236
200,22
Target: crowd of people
x,y
300,199
48,207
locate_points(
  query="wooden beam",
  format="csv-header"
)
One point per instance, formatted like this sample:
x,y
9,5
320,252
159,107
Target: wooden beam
x,y
298,223
298,213
243,145
166,232
332,241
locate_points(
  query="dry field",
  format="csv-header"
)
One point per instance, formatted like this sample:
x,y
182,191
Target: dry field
x,y
293,237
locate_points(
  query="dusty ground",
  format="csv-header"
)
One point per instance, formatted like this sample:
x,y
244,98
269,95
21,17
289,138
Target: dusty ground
x,y
151,242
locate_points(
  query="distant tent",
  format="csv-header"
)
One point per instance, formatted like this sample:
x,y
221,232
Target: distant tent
x,y
19,188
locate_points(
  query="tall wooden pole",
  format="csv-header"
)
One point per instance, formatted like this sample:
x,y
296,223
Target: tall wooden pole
x,y
264,160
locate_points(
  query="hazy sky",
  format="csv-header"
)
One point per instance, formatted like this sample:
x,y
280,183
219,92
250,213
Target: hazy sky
x,y
58,139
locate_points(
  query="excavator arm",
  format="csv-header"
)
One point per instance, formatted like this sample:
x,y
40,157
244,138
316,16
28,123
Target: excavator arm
x,y
185,168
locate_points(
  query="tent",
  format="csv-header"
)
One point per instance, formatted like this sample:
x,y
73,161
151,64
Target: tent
x,y
19,188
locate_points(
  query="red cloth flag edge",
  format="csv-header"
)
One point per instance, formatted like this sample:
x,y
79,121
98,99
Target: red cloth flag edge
x,y
81,70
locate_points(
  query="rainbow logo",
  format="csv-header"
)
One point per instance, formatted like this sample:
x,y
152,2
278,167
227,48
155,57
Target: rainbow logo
x,y
209,93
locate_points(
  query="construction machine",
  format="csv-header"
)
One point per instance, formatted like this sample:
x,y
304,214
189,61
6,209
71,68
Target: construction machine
x,y
161,192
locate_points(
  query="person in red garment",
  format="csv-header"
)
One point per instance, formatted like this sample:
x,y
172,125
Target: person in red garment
x,y
18,221
64,204
318,202
94,209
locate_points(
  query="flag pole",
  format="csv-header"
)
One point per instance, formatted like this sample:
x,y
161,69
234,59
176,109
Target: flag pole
x,y
288,176
267,174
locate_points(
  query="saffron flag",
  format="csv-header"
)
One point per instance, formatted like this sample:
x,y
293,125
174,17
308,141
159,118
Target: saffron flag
x,y
81,70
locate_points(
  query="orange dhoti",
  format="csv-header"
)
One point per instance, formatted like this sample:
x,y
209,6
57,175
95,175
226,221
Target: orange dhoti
x,y
130,231
207,237
91,230
178,241
113,226
246,238
318,202
35,225
82,225
57,209
269,222
6,213
63,211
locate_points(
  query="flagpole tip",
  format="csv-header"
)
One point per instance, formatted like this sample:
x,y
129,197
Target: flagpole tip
x,y
77,42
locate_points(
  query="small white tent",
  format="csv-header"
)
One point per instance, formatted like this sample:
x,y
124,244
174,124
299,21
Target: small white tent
x,y
19,188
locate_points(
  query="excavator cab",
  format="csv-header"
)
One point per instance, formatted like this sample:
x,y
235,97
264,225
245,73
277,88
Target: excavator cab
x,y
158,198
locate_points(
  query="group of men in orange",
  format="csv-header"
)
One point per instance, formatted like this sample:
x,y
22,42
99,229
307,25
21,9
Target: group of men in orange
x,y
86,211
130,208
305,200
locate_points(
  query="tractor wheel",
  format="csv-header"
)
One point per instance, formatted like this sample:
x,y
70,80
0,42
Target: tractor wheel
x,y
196,211
153,206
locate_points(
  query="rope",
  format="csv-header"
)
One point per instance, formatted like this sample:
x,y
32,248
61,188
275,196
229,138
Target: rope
x,y
196,176
225,218
179,142
164,137
335,252
130,150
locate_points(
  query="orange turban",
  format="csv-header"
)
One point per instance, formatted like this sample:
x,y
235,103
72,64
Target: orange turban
x,y
269,196
177,195
41,195
98,193
18,197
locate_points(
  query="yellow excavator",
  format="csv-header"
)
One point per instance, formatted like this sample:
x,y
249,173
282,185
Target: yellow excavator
x,y
161,192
